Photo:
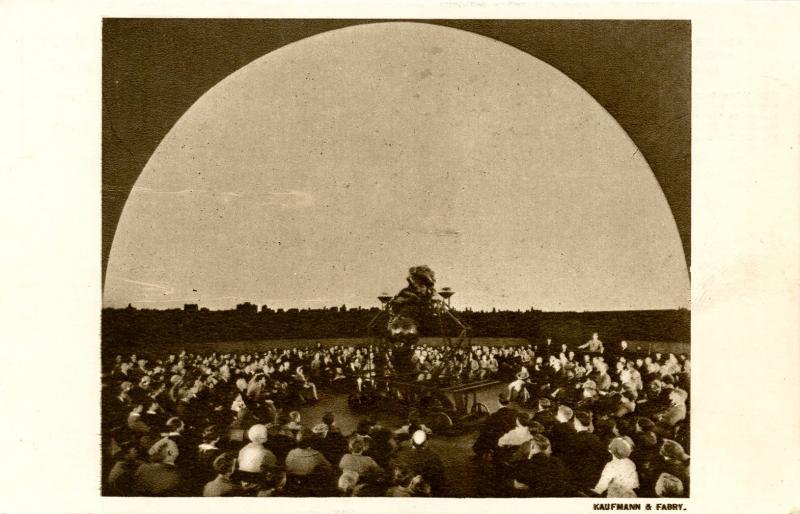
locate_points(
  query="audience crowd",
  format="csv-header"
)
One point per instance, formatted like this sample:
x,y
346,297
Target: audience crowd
x,y
588,421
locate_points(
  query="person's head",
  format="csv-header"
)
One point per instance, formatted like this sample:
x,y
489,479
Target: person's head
x,y
225,464
522,419
544,403
620,448
347,482
419,438
669,486
564,414
654,387
583,420
623,344
595,336
273,478
605,428
364,426
503,399
321,430
534,427
145,381
678,396
257,434
357,444
164,451
174,424
671,450
540,444
212,434
418,486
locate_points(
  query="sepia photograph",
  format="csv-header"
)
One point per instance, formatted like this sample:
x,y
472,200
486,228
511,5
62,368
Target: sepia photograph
x,y
373,257
396,258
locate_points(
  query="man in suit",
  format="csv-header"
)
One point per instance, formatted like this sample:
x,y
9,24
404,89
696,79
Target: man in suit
x,y
541,474
497,424
585,454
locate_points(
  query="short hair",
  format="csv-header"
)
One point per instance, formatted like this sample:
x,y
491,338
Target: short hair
x,y
211,433
534,427
544,403
163,449
523,418
356,444
224,463
646,424
328,418
174,423
364,427
583,417
668,486
541,442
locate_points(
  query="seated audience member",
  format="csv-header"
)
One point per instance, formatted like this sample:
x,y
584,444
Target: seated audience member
x,y
382,445
330,442
224,465
421,460
282,439
540,474
159,477
207,452
355,460
407,484
497,424
675,462
562,431
412,425
304,460
669,486
619,478
273,483
371,483
135,420
120,478
254,455
584,454
676,411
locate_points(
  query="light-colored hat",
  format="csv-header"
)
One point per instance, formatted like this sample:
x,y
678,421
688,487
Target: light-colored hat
x,y
620,448
419,437
257,433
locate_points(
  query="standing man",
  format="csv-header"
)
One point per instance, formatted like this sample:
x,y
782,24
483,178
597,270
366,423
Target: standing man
x,y
593,345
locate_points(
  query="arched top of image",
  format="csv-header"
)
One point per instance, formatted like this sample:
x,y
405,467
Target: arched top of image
x,y
317,174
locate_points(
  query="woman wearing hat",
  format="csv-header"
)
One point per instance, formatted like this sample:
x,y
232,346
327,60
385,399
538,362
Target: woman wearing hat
x,y
619,478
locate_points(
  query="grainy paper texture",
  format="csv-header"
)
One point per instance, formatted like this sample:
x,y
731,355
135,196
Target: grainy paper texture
x,y
744,262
